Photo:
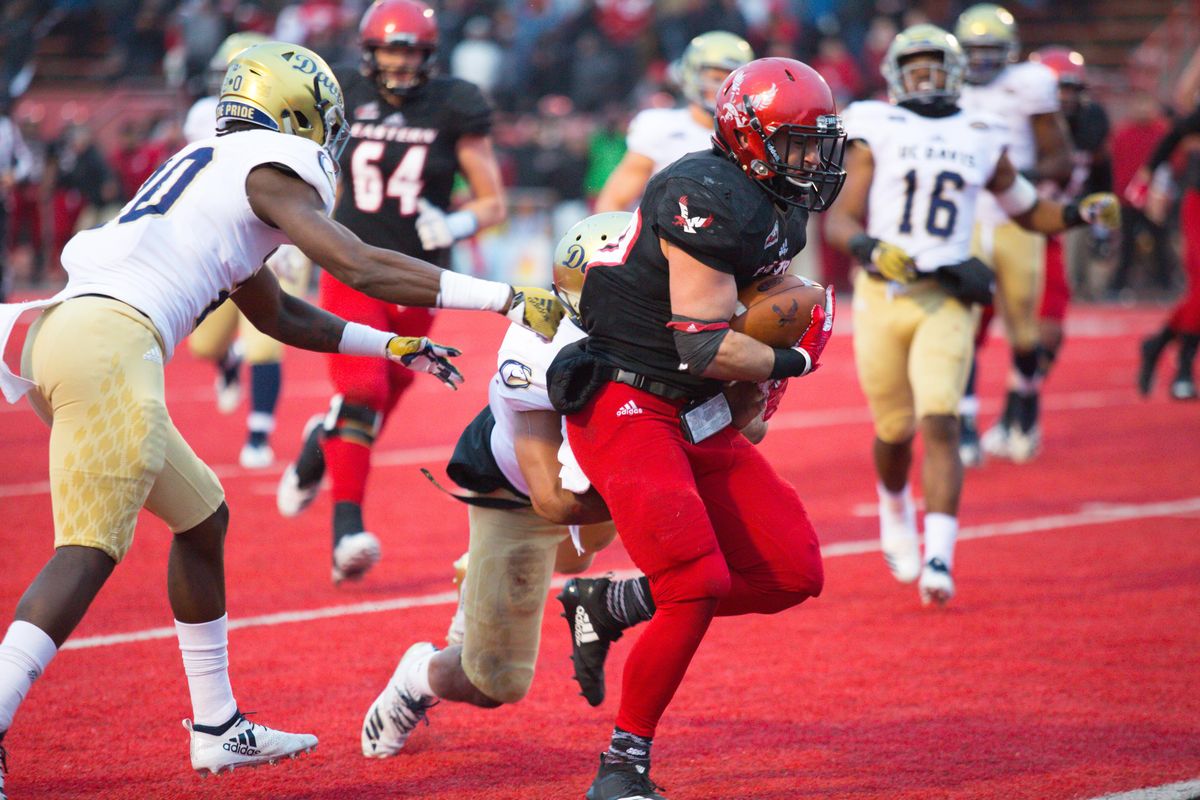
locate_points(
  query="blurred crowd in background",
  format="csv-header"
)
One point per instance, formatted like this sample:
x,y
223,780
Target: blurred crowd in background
x,y
98,88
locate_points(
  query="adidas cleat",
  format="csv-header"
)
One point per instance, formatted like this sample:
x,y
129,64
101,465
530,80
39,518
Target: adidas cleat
x,y
1023,446
902,553
994,441
620,780
242,743
301,481
256,456
936,586
354,555
583,601
394,715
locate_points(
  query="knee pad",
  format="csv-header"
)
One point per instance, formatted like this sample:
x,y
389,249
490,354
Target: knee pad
x,y
352,422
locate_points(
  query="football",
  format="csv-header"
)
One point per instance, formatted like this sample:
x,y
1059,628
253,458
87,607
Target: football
x,y
777,309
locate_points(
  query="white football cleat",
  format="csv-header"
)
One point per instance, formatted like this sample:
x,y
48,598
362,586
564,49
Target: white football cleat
x,y
256,456
242,743
994,441
458,624
394,715
1023,446
354,555
292,496
936,586
902,552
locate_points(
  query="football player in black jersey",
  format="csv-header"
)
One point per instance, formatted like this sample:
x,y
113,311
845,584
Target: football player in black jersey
x,y
411,131
723,534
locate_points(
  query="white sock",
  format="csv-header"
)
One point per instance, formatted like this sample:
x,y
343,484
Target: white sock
x,y
205,649
940,532
24,655
897,512
418,679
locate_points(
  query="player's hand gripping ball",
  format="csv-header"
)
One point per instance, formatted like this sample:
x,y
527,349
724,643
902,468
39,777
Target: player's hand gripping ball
x,y
777,310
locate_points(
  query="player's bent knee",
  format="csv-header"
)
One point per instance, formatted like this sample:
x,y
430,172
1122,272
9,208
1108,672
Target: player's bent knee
x,y
498,679
940,427
705,578
895,429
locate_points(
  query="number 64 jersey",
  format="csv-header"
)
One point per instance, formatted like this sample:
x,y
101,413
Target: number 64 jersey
x,y
928,173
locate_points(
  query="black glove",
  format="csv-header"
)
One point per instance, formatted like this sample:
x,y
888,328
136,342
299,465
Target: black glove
x,y
972,281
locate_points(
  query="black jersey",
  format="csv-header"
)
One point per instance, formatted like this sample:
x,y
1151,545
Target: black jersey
x,y
1089,134
703,204
399,154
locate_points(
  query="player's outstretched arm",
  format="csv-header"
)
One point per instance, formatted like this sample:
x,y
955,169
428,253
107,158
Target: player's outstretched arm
x,y
1020,201
295,322
288,203
537,436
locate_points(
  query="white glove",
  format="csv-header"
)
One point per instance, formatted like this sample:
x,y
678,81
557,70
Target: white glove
x,y
438,230
421,355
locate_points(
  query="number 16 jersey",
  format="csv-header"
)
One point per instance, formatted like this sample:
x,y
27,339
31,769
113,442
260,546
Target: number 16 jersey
x,y
928,173
398,154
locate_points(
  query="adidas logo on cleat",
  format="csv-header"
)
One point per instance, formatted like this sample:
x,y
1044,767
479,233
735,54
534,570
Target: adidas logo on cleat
x,y
243,744
585,633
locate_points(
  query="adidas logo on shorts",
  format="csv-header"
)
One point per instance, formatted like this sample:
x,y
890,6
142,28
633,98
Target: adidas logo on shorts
x,y
629,409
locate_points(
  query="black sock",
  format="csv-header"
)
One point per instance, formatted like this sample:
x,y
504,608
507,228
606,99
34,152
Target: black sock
x,y
257,438
229,364
347,519
628,747
629,602
1188,345
971,376
1027,411
1026,364
1158,341
265,382
1046,358
1012,401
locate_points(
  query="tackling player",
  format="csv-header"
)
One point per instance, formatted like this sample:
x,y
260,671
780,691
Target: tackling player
x,y
646,417
196,233
660,136
410,132
915,169
226,337
1025,97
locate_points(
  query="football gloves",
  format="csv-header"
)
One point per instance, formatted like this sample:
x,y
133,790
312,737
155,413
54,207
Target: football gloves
x,y
438,230
1101,208
820,328
536,309
883,258
421,355
774,391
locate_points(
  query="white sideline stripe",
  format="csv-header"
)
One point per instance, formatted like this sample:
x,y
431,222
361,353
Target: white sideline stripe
x,y
795,420
1186,790
1091,516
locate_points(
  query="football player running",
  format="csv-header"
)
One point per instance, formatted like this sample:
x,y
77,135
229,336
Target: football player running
x,y
410,132
197,232
226,337
725,534
915,168
660,136
1025,97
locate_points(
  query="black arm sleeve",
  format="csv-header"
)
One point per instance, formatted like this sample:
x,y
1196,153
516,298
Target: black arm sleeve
x,y
1189,124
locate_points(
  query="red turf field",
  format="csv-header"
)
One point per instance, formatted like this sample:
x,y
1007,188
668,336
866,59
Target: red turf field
x,y
1068,667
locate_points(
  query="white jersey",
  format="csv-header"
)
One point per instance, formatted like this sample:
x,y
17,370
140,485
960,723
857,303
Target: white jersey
x,y
1019,92
520,385
929,172
665,135
201,120
189,238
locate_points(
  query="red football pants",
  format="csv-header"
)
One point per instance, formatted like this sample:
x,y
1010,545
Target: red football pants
x,y
376,383
1185,318
713,527
1056,293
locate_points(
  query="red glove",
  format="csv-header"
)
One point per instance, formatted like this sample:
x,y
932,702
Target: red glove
x,y
774,391
820,328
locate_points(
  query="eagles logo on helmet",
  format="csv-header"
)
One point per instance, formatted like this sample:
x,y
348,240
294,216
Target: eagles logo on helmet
x,y
398,23
778,122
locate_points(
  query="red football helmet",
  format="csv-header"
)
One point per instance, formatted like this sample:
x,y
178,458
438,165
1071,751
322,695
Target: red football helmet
x,y
398,23
1066,64
777,121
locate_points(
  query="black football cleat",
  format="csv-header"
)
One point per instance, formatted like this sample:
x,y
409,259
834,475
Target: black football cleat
x,y
592,632
623,780
1150,351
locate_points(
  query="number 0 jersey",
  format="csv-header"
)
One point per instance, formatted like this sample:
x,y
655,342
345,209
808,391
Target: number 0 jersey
x,y
399,154
704,205
189,238
928,174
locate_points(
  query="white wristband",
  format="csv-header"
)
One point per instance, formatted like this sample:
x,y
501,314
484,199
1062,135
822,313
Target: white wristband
x,y
463,291
1018,198
363,340
461,224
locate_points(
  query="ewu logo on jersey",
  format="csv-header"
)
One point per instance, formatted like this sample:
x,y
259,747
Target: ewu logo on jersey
x,y
689,223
